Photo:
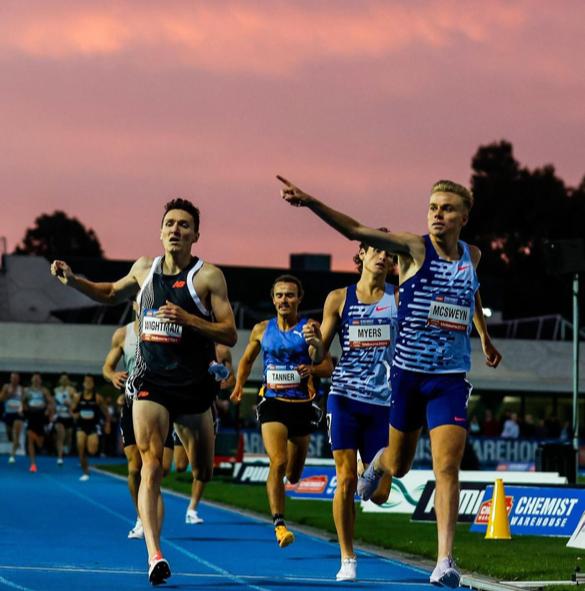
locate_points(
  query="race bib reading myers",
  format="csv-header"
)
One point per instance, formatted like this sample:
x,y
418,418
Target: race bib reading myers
x,y
159,330
369,333
449,316
281,377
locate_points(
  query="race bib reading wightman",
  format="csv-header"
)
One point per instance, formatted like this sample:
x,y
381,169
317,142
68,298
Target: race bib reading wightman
x,y
371,332
159,330
280,377
449,316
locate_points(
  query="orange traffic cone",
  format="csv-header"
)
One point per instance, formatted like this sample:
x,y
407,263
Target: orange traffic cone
x,y
498,527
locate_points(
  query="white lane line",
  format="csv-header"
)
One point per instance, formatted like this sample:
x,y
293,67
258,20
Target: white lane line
x,y
210,565
113,571
12,585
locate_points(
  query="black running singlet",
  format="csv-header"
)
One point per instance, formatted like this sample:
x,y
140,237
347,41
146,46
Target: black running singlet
x,y
171,356
89,413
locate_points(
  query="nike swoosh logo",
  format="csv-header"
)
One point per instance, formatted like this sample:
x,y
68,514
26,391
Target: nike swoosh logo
x,y
462,268
460,419
381,308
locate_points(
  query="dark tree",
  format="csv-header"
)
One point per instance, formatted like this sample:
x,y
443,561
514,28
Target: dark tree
x,y
57,235
516,210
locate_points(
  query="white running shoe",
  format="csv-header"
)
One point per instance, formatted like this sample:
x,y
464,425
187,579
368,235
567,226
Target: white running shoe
x,y
348,570
368,481
11,460
446,574
59,461
192,518
84,477
137,532
158,570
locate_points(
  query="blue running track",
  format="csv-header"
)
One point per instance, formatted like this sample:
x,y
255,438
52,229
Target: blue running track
x,y
57,533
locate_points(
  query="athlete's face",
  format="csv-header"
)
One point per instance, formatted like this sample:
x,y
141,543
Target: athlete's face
x,y
376,261
285,297
447,214
64,380
36,380
88,384
178,231
14,379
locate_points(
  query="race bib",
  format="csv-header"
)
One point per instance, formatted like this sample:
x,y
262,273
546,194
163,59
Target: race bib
x,y
158,330
12,405
63,412
449,316
87,414
36,403
281,377
369,333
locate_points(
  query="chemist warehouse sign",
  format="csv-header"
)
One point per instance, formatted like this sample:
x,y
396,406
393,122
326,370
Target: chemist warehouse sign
x,y
537,511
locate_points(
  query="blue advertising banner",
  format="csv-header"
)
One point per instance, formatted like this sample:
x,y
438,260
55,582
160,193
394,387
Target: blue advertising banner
x,y
536,511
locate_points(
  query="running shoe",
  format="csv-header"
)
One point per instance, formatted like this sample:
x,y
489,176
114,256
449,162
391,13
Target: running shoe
x,y
348,570
33,468
446,574
59,461
368,481
158,570
137,532
284,536
11,460
84,477
192,518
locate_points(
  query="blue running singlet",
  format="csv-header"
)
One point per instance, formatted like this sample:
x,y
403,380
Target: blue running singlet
x,y
283,352
435,314
366,334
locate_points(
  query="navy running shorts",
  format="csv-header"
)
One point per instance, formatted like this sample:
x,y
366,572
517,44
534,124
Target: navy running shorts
x,y
438,399
353,424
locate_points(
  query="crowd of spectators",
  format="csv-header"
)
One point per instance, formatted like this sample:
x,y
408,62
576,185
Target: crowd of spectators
x,y
511,425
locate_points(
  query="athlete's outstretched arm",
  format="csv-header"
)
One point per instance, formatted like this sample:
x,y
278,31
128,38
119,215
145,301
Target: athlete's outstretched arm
x,y
117,378
402,244
253,348
223,355
105,293
223,329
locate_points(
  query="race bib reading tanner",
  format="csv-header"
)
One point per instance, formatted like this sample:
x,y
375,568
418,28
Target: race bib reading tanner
x,y
281,378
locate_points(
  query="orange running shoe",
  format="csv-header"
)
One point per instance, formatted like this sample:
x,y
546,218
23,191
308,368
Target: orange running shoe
x,y
284,536
33,468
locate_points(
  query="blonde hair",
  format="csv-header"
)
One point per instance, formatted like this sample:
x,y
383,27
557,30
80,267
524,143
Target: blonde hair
x,y
445,186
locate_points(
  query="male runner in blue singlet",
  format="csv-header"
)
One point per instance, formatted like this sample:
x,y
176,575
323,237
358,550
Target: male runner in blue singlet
x,y
358,406
439,299
184,310
290,345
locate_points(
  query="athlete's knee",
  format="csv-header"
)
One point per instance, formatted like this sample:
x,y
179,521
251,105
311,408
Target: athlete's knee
x,y
446,470
181,466
204,474
278,464
347,483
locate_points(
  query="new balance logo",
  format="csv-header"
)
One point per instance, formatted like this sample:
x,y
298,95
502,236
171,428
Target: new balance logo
x,y
179,284
143,394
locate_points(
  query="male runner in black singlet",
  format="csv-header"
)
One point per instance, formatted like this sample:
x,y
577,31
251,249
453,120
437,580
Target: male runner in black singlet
x,y
184,310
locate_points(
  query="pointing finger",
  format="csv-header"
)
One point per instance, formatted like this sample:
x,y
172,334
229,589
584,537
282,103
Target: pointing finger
x,y
283,180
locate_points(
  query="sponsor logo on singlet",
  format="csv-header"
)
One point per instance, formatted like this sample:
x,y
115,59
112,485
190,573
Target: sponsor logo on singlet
x,y
281,377
159,330
448,315
178,284
369,333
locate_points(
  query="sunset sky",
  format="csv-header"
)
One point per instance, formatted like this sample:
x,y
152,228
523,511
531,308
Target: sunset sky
x,y
107,109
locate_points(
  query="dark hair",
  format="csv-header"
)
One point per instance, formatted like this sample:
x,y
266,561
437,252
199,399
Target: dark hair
x,y
288,279
365,246
184,205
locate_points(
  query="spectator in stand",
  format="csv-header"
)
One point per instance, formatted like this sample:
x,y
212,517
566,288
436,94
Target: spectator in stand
x,y
553,427
511,428
491,427
566,432
541,432
474,426
528,427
